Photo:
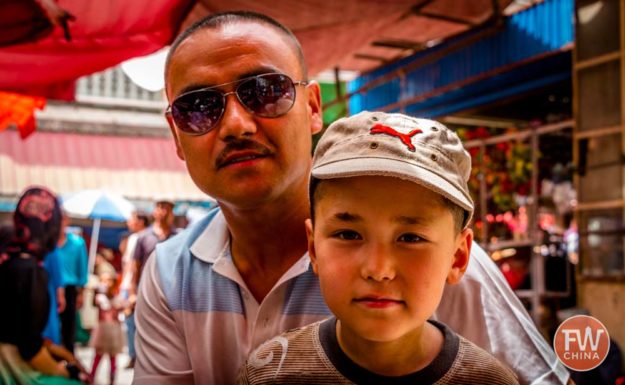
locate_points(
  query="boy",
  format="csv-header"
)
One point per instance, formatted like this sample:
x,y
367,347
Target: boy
x,y
389,213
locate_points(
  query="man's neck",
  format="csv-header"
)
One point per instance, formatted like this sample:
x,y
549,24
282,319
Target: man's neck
x,y
162,229
267,241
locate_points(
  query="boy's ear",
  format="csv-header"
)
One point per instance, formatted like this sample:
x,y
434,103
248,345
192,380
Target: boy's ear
x,y
311,244
461,256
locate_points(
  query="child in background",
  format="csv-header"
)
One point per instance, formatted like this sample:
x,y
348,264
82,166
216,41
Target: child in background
x,y
107,336
390,209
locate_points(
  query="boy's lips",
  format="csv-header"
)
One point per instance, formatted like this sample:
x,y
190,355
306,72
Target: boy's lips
x,y
378,302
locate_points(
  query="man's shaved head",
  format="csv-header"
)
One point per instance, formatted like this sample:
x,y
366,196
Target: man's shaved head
x,y
218,20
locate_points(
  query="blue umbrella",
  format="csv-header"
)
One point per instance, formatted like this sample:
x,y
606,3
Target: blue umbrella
x,y
97,205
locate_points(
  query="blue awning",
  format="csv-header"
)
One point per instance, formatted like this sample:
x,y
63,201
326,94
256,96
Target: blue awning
x,y
532,50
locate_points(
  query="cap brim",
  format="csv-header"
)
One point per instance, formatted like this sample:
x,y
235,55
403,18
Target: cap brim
x,y
390,167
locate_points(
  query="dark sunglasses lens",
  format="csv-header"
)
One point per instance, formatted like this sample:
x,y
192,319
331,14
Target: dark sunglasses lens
x,y
198,112
268,95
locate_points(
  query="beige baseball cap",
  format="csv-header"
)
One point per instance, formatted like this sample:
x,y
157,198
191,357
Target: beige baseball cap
x,y
377,143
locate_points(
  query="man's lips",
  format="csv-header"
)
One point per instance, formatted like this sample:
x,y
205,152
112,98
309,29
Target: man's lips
x,y
240,156
241,150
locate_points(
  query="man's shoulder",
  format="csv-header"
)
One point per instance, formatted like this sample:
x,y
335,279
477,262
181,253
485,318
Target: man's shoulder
x,y
75,238
148,232
183,239
188,282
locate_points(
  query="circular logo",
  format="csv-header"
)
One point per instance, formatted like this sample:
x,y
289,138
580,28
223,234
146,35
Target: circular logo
x,y
581,343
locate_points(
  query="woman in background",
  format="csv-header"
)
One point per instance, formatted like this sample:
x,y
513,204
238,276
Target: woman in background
x,y
25,357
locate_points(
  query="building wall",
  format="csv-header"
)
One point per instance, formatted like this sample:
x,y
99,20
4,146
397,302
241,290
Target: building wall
x,y
606,302
599,145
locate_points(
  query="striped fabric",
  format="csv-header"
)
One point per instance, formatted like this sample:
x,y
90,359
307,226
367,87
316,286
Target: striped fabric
x,y
311,355
196,319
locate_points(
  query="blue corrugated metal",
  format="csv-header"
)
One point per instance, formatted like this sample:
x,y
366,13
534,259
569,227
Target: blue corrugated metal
x,y
542,29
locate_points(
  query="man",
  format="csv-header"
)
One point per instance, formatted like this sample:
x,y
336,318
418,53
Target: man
x,y
161,229
137,222
72,253
242,114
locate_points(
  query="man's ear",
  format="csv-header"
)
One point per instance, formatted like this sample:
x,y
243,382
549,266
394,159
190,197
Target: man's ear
x,y
311,244
174,133
314,107
460,262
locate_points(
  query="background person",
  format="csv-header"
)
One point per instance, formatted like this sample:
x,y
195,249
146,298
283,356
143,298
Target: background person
x,y
56,292
107,337
72,253
137,222
161,229
24,356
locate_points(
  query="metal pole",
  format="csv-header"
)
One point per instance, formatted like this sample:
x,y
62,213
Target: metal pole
x,y
538,265
483,195
93,246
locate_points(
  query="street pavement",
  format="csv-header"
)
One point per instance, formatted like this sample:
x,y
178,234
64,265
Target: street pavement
x,y
123,376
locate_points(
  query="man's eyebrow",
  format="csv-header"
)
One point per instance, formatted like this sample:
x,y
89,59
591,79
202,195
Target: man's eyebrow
x,y
256,71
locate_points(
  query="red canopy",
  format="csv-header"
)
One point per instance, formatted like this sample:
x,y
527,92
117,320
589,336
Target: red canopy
x,y
104,34
350,34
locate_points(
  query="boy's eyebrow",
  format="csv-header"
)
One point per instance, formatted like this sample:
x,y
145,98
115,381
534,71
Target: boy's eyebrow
x,y
347,217
413,220
402,219
406,220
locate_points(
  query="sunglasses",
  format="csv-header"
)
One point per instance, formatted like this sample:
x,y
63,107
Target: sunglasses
x,y
270,95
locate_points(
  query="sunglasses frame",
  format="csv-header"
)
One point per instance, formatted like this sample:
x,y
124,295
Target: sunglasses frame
x,y
224,95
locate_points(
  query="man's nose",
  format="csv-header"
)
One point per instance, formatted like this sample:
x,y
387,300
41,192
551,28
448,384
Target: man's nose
x,y
378,264
236,121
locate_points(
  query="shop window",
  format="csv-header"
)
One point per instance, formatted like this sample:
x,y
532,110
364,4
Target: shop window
x,y
597,31
600,96
601,242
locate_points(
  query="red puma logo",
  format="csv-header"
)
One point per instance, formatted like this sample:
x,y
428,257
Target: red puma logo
x,y
405,138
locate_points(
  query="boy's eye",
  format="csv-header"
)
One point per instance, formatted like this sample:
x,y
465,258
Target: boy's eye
x,y
347,235
410,238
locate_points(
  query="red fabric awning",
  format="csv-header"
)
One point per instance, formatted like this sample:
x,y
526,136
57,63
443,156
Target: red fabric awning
x,y
104,34
349,34
19,110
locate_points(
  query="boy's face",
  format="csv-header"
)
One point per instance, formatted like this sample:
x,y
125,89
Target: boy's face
x,y
383,249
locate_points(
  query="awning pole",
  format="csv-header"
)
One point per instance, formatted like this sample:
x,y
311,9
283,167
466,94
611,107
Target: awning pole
x,y
93,245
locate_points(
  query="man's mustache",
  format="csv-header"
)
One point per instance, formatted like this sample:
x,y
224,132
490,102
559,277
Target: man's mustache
x,y
241,145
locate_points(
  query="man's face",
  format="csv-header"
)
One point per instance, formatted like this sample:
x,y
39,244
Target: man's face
x,y
245,159
383,249
133,223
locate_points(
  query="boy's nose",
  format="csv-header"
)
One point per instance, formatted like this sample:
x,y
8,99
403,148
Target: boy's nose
x,y
378,265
